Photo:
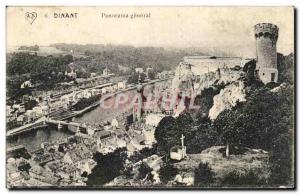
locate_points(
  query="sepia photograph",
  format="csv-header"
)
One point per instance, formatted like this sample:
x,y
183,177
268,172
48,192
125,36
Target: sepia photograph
x,y
150,97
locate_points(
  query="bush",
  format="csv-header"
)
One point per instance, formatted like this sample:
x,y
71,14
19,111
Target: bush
x,y
281,160
203,175
167,173
145,170
234,178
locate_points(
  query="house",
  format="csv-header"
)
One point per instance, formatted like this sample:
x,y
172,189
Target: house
x,y
15,179
31,115
71,74
177,153
19,107
42,158
9,111
42,110
21,120
149,72
78,154
139,70
102,134
43,175
106,71
93,74
27,84
87,94
81,158
115,123
122,85
166,74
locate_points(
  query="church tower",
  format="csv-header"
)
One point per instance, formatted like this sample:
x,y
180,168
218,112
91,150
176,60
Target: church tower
x,y
138,105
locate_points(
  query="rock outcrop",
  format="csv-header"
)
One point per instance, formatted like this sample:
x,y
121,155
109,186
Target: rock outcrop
x,y
228,98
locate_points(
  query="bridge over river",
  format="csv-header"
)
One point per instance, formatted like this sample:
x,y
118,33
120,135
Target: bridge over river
x,y
47,128
43,122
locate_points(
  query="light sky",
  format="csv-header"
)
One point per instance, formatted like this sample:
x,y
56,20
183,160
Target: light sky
x,y
229,29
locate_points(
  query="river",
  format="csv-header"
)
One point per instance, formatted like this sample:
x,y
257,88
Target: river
x,y
33,139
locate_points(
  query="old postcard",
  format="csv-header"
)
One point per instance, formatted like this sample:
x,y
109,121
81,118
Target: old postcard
x,y
150,97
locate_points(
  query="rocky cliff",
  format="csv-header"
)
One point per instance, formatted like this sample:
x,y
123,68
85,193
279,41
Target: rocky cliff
x,y
228,98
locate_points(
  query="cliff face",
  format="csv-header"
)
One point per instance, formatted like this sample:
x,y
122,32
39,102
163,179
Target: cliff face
x,y
224,77
184,77
227,77
227,98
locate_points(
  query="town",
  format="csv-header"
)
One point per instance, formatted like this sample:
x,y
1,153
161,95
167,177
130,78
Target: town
x,y
205,121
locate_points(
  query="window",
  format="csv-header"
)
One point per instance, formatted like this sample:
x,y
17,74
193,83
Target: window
x,y
272,77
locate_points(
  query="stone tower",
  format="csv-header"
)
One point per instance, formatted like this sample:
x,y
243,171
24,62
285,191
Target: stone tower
x,y
266,36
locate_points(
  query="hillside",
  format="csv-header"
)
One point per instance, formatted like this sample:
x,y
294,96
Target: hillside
x,y
236,111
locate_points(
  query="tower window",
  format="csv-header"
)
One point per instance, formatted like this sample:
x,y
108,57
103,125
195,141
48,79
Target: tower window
x,y
272,77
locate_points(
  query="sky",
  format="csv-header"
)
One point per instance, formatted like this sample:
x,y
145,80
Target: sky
x,y
229,29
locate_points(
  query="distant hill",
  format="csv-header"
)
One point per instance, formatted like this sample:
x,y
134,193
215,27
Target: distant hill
x,y
94,57
29,48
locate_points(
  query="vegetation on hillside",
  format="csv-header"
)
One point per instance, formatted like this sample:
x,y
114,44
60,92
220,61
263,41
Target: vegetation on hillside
x,y
43,71
264,121
114,56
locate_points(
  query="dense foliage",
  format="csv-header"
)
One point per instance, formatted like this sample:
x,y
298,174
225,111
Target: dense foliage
x,y
85,102
167,172
108,167
135,77
43,71
264,121
203,175
117,57
144,172
197,138
285,65
246,179
39,67
272,113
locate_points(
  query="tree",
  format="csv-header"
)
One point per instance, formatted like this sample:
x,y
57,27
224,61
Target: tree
x,y
203,175
203,137
169,131
197,136
30,104
108,166
205,101
285,66
281,157
258,121
145,172
230,129
162,134
134,77
43,70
